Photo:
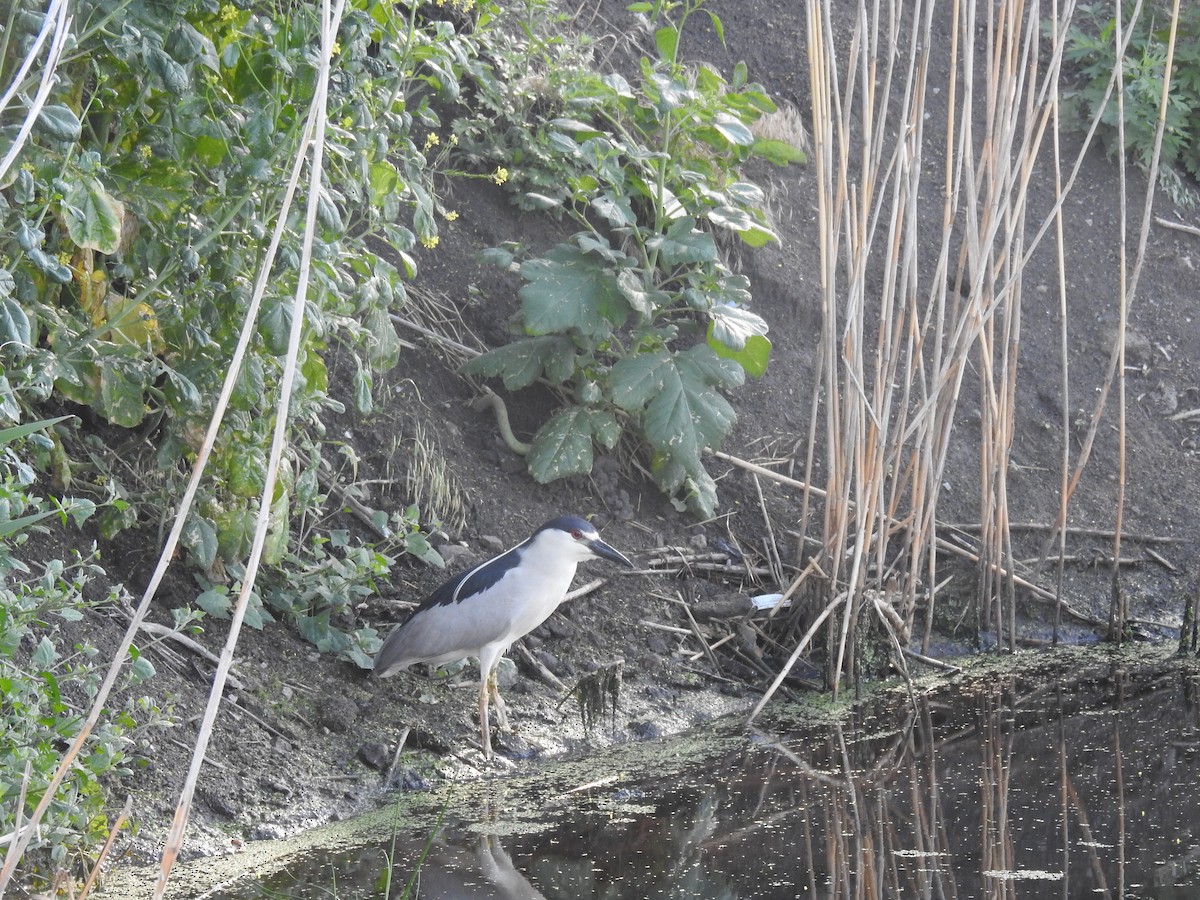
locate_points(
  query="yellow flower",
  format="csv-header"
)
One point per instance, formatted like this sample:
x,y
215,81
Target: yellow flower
x,y
145,152
432,140
228,12
337,48
454,140
430,242
452,215
500,175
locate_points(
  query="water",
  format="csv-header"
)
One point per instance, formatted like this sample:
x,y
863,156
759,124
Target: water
x,y
1012,789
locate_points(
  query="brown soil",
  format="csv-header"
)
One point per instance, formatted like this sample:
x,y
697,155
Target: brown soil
x,y
300,742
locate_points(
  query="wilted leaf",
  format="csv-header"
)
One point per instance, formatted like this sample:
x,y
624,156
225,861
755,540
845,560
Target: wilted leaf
x,y
383,345
133,322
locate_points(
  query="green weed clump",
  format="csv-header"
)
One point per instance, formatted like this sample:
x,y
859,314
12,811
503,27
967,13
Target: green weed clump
x,y
638,316
47,684
135,219
1092,50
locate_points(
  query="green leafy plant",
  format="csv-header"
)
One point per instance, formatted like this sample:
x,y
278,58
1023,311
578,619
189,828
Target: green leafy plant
x,y
1092,49
637,315
135,222
45,690
46,685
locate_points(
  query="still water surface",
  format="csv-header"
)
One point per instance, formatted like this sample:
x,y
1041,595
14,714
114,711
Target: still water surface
x,y
1008,789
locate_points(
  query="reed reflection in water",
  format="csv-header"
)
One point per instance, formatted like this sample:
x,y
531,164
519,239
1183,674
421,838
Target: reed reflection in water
x,y
1003,790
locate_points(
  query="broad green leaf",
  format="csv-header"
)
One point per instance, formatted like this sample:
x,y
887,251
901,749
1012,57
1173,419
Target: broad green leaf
x,y
199,536
615,209
44,654
383,344
606,428
140,667
684,243
568,290
234,532
211,150
59,123
247,471
753,356
15,330
93,217
732,326
174,76
187,44
495,256
666,39
644,301
733,130
274,324
384,178
10,409
683,412
216,602
781,153
120,394
758,235
730,217
522,362
563,446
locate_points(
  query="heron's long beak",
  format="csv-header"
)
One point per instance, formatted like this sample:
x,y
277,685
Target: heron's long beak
x,y
602,549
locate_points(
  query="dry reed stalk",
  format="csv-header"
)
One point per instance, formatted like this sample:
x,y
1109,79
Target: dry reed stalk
x,y
896,351
330,17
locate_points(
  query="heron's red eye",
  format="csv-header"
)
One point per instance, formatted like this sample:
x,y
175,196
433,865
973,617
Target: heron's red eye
x,y
577,534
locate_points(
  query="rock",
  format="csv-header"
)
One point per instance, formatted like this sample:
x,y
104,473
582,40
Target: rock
x,y
222,806
268,831
455,554
491,542
276,785
337,714
374,755
645,731
410,780
658,644
512,745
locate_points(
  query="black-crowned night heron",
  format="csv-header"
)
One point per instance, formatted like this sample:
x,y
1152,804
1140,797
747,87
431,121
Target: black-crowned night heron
x,y
484,610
